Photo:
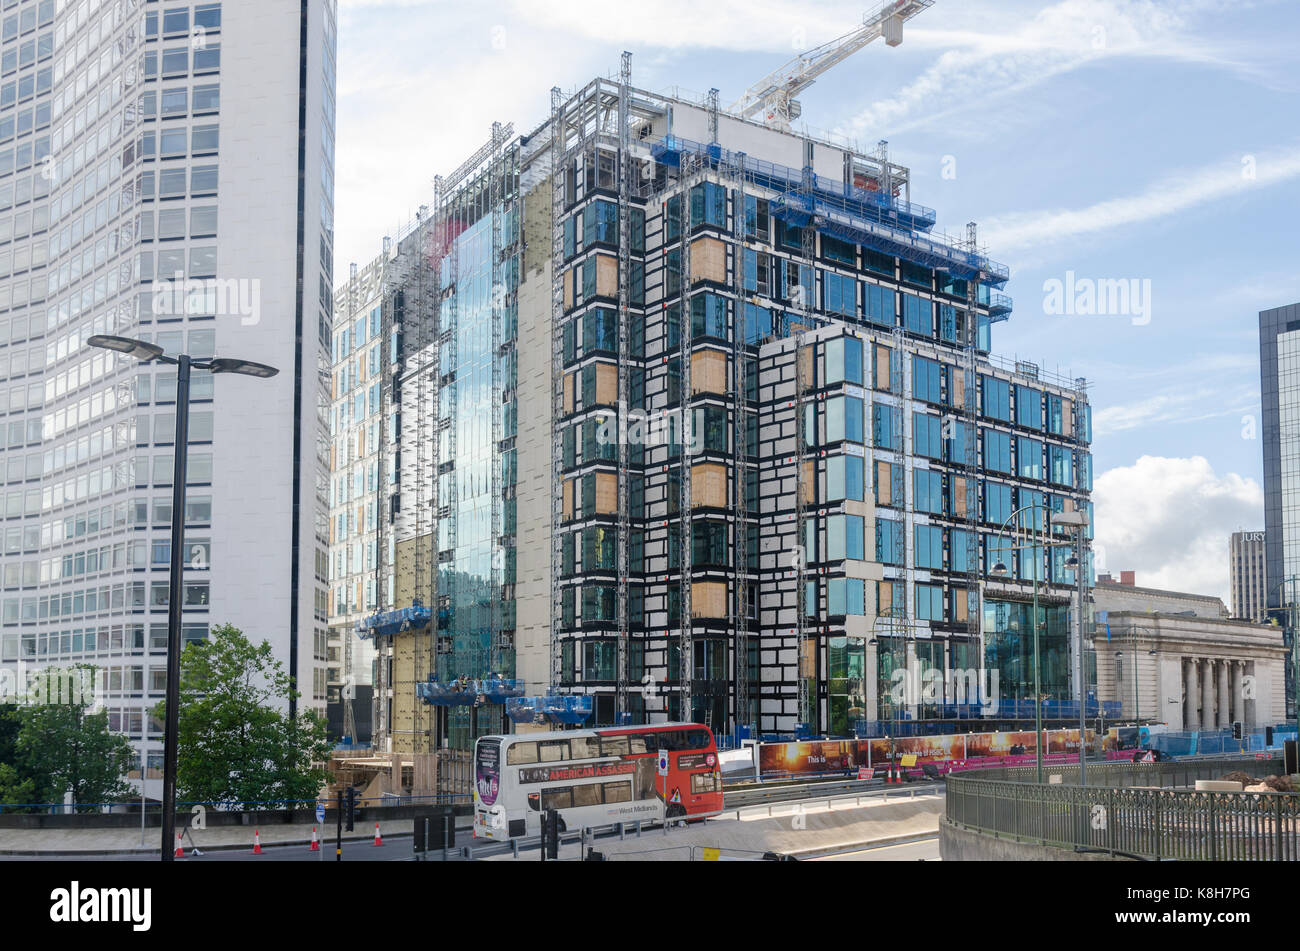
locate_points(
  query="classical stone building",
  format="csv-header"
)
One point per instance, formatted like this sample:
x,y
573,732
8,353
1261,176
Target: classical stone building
x,y
1180,659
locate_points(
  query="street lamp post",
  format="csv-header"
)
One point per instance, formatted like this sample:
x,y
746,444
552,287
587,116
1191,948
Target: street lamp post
x,y
146,353
1078,520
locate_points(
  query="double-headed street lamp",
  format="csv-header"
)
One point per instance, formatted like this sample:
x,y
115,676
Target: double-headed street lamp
x,y
1042,541
151,353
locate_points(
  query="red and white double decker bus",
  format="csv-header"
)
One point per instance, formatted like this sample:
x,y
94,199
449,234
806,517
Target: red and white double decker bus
x,y
594,777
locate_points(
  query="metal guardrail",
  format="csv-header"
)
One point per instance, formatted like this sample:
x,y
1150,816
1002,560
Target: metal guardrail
x,y
1133,810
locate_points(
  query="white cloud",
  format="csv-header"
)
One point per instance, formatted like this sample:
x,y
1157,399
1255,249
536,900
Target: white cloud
x,y
1064,37
1180,405
1169,519
1178,192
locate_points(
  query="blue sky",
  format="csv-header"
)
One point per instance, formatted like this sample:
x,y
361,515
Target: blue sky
x,y
1145,140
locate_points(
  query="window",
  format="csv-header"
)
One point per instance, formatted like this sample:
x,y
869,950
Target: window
x,y
1029,407
928,486
879,306
206,98
918,315
889,536
839,294
846,596
883,420
845,478
997,503
844,419
997,451
1029,458
204,138
929,602
997,398
844,360
927,439
929,547
844,538
1062,465
927,378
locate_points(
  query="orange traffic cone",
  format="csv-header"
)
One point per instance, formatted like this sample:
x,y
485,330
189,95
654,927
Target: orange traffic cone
x,y
257,842
315,843
378,840
180,853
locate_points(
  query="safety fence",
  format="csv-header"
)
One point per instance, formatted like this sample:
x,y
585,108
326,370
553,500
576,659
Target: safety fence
x,y
1143,811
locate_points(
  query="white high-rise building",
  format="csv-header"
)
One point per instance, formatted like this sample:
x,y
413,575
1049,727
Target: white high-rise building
x,y
166,173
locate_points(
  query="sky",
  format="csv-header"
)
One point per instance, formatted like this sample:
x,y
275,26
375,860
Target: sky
x,y
1152,142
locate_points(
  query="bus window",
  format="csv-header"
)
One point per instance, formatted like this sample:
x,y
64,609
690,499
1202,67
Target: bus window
x,y
697,740
615,746
553,751
638,743
535,801
588,795
618,792
560,797
647,779
584,747
519,753
704,783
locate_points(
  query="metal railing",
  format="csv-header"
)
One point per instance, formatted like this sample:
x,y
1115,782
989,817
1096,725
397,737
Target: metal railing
x,y
1142,811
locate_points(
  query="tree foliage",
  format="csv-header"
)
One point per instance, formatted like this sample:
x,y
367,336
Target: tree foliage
x,y
235,743
56,745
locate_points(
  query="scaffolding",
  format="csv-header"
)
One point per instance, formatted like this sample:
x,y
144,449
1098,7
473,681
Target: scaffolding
x,y
624,383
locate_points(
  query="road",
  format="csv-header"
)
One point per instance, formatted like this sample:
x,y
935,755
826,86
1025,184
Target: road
x,y
920,850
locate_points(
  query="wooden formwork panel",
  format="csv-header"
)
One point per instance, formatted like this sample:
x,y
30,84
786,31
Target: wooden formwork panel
x,y
881,376
808,482
606,384
606,276
708,260
568,288
708,485
959,496
709,599
708,372
606,493
569,486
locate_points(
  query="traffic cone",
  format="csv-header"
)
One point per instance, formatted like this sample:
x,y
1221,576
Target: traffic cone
x,y
180,852
315,843
257,843
378,840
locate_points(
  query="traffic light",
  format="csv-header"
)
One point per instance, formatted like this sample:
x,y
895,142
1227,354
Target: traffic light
x,y
1236,729
550,834
351,812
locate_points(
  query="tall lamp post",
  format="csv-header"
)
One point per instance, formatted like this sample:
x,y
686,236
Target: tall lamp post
x,y
1078,520
151,353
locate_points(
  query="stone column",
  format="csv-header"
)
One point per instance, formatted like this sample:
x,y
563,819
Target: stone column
x,y
1225,698
1207,694
1238,713
1191,696
1249,704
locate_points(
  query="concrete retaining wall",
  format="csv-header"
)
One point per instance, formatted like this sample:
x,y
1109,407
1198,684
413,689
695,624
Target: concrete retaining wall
x,y
959,844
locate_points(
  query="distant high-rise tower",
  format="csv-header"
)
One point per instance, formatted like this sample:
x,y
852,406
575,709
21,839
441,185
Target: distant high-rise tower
x,y
1246,571
1279,367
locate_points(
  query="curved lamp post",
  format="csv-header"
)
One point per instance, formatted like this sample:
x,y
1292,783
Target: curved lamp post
x,y
152,353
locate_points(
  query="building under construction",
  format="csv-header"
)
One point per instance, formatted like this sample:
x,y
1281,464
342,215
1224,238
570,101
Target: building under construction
x,y
687,415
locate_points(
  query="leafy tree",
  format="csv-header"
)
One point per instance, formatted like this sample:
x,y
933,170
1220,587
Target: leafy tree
x,y
236,743
15,785
62,747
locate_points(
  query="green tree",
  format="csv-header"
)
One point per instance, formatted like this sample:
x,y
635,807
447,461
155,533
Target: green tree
x,y
62,747
15,785
235,742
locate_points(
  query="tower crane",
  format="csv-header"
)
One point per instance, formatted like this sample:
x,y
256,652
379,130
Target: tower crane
x,y
772,97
